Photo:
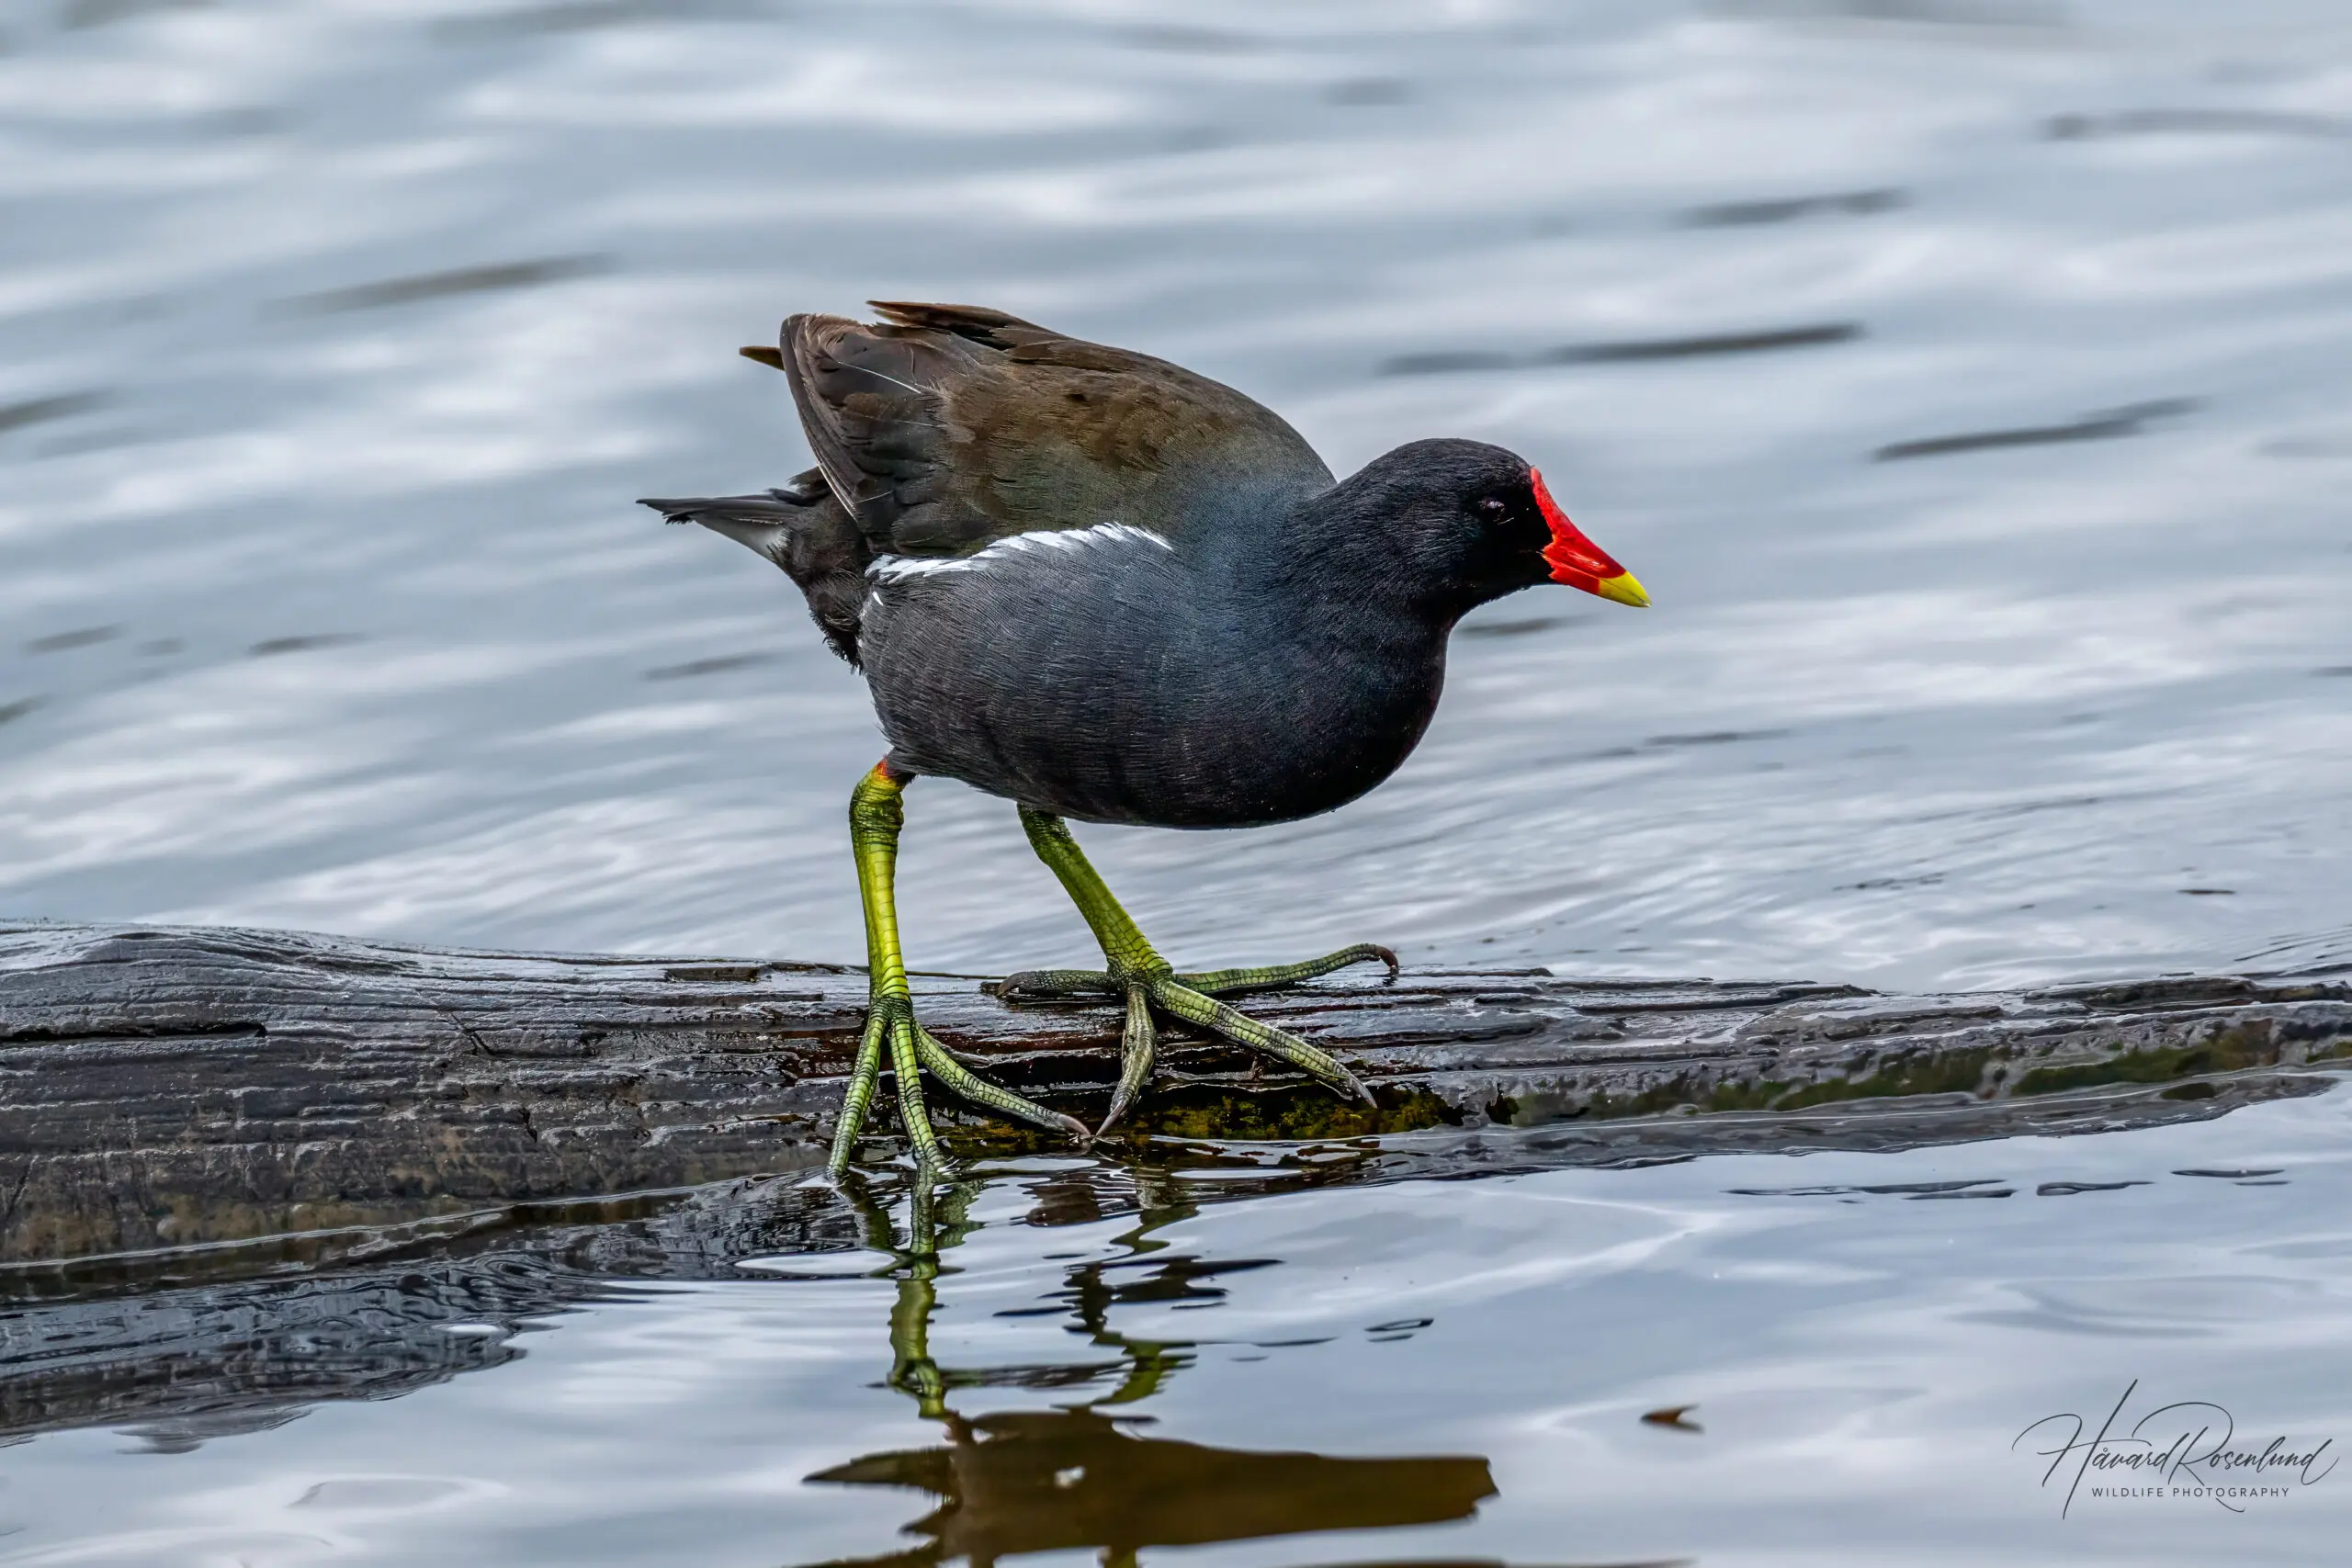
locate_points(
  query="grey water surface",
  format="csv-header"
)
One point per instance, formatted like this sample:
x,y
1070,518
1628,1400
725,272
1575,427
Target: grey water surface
x,y
1969,380
1088,1364
339,339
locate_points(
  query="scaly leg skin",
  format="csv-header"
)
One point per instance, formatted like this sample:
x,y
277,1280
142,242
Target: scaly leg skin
x,y
1146,980
875,817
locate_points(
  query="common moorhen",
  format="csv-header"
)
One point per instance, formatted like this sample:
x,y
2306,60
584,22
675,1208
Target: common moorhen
x,y
1103,587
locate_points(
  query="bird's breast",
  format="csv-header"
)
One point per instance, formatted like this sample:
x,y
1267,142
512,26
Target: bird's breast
x,y
1145,690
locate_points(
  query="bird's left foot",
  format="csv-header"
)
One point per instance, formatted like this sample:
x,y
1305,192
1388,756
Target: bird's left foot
x,y
1193,998
1146,981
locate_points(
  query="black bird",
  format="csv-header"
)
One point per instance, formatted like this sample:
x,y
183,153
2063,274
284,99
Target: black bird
x,y
1105,587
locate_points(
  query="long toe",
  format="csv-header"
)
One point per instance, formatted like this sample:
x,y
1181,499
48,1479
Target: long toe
x,y
965,1084
1240,1028
1043,984
860,1094
1234,982
906,1055
1137,1041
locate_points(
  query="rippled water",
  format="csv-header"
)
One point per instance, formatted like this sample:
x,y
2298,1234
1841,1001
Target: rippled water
x,y
340,337
1093,1364
1970,381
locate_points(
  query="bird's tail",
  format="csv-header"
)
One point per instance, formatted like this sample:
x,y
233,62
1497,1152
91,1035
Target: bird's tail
x,y
801,528
757,522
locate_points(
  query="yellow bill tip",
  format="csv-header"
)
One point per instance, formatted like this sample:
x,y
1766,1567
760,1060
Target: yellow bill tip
x,y
1625,589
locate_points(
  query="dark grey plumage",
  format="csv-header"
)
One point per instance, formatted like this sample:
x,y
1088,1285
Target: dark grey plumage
x,y
1110,589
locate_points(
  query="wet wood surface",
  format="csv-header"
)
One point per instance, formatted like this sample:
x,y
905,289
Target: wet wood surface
x,y
166,1087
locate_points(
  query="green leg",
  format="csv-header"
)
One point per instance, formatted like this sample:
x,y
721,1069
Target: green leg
x,y
1146,980
875,817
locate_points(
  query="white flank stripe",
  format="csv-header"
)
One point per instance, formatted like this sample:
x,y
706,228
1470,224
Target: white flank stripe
x,y
899,569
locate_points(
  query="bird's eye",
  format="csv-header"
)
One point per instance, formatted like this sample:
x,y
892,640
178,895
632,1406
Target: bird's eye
x,y
1492,508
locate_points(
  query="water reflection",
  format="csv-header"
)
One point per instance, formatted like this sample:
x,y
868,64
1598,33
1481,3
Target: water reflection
x,y
1080,1476
2103,426
1808,336
1755,1344
440,284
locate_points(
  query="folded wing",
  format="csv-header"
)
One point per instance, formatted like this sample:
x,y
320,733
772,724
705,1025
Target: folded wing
x,y
947,426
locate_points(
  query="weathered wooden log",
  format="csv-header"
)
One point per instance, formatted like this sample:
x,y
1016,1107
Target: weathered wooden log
x,y
173,1087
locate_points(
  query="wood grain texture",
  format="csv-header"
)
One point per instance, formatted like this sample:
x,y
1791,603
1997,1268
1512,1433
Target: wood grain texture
x,y
168,1088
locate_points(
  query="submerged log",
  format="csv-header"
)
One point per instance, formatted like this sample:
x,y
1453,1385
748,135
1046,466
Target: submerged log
x,y
170,1088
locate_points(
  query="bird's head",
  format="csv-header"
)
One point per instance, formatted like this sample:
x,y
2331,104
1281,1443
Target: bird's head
x,y
1475,522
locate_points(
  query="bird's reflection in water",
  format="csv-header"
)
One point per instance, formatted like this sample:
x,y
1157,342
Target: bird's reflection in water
x,y
1080,1476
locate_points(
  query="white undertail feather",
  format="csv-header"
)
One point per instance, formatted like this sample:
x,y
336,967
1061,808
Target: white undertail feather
x,y
897,568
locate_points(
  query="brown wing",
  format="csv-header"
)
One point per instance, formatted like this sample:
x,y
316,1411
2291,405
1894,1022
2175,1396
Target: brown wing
x,y
949,425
